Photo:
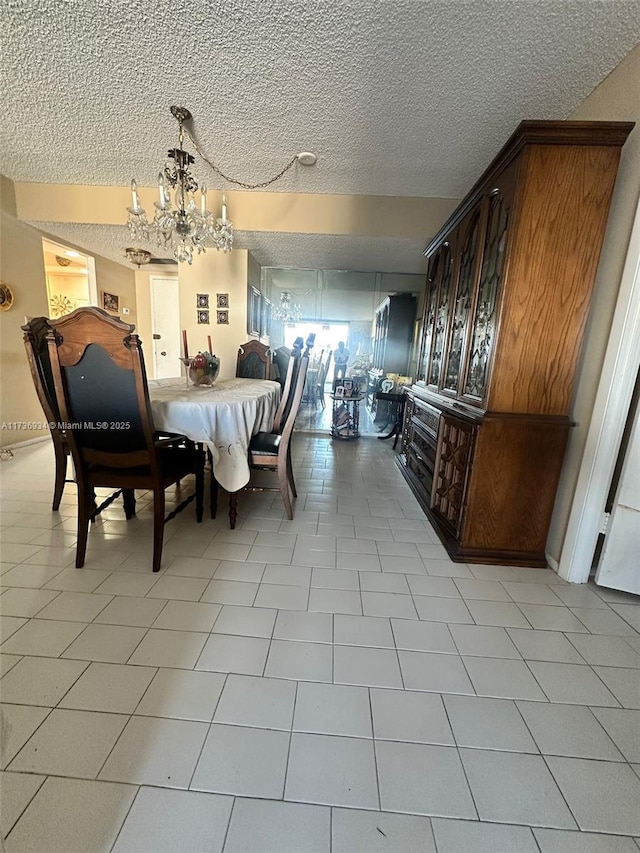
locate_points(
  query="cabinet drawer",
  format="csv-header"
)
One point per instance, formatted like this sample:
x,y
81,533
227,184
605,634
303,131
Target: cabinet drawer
x,y
426,416
423,447
422,476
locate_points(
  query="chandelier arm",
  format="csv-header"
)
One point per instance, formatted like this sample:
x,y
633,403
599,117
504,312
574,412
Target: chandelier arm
x,y
245,186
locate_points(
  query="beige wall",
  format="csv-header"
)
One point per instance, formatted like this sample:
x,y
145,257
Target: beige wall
x,y
298,213
119,280
216,272
617,98
22,268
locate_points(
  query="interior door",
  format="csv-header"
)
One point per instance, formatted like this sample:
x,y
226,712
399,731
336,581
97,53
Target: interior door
x,y
165,323
619,566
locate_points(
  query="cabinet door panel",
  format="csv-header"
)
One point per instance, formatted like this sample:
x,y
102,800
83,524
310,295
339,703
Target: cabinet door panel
x,y
483,328
455,444
461,307
441,319
429,317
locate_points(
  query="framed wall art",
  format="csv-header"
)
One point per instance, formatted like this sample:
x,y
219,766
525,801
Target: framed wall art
x,y
222,317
110,302
203,317
222,300
202,300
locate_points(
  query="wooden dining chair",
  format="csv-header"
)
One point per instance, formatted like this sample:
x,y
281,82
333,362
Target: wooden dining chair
x,y
281,358
322,378
35,343
254,361
102,395
272,451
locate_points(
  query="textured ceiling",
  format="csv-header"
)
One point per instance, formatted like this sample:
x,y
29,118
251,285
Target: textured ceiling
x,y
298,251
403,98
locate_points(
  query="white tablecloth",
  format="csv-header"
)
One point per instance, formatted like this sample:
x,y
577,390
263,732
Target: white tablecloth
x,y
223,416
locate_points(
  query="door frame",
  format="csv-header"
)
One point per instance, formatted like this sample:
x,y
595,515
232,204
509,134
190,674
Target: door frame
x,y
613,398
152,294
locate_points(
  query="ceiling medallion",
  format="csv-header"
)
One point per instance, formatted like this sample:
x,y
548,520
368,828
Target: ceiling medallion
x,y
180,224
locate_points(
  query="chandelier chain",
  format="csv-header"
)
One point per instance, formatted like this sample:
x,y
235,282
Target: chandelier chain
x,y
245,186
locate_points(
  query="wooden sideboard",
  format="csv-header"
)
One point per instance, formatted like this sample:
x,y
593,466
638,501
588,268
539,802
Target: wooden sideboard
x,y
509,281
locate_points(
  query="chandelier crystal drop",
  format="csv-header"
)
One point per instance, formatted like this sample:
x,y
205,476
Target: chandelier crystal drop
x,y
286,311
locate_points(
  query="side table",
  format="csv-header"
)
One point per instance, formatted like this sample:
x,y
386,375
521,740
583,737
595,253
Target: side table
x,y
345,416
397,399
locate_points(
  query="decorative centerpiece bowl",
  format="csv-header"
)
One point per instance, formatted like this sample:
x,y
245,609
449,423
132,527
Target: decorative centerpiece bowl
x,y
204,368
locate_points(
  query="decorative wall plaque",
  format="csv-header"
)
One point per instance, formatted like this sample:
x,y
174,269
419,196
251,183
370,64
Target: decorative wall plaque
x,y
202,300
203,317
223,300
223,317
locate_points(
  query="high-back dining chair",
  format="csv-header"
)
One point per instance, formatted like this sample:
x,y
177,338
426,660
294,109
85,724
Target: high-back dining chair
x,y
323,378
254,361
101,391
272,451
281,358
35,343
286,399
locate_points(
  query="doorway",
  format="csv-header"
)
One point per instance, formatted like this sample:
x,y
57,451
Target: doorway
x,y
165,326
70,277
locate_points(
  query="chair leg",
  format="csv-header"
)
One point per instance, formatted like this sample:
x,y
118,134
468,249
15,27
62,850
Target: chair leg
x,y
213,488
283,482
61,475
292,482
158,527
86,501
129,503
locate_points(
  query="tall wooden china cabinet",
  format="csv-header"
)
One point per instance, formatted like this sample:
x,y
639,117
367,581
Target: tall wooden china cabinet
x,y
509,280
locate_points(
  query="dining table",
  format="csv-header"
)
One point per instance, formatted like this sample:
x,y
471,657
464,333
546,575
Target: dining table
x,y
223,417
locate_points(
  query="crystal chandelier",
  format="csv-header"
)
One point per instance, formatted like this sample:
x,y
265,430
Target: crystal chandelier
x,y
187,226
184,227
286,311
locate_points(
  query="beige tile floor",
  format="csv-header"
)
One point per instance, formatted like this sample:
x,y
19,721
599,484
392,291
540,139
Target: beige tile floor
x,y
327,685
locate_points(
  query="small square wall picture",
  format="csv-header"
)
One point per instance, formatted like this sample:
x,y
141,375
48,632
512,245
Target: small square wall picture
x,y
203,317
222,300
202,300
110,301
223,317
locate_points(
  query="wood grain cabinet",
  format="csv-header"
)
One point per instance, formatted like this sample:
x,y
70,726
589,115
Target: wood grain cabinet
x,y
509,281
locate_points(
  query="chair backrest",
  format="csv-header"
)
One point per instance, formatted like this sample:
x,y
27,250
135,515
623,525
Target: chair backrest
x,y
254,361
37,347
281,358
101,390
296,397
322,375
287,392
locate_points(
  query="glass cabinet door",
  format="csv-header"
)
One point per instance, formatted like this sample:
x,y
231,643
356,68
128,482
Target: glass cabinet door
x,y
484,321
462,305
441,316
430,305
